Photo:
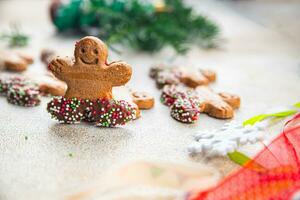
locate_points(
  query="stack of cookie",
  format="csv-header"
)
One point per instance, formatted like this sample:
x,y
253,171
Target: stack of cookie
x,y
187,94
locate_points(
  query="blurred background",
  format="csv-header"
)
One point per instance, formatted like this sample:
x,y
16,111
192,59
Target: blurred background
x,y
278,15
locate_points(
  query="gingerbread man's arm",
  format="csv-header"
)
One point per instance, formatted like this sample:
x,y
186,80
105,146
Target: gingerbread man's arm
x,y
60,66
119,73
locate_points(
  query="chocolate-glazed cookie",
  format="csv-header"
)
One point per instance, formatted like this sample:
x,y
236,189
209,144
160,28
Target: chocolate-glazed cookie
x,y
27,96
65,110
184,110
109,113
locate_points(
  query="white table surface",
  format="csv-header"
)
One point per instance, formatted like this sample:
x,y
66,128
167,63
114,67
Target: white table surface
x,y
257,60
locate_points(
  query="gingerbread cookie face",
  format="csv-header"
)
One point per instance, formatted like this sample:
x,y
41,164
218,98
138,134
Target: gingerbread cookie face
x,y
90,77
90,51
143,100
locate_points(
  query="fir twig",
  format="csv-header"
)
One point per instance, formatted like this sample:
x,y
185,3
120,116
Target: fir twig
x,y
139,25
15,37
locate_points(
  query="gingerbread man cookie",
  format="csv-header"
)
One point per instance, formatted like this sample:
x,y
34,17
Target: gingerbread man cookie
x,y
186,103
90,77
90,80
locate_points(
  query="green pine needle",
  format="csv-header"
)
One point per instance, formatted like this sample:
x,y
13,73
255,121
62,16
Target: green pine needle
x,y
138,25
15,37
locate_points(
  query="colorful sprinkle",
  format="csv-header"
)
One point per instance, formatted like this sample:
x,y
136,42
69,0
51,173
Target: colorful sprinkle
x,y
167,78
171,93
23,96
20,92
101,112
185,110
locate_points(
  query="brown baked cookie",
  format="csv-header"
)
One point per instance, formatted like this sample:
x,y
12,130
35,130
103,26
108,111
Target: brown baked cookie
x,y
209,74
90,77
214,104
233,100
155,70
170,75
28,58
14,61
52,86
143,100
47,55
193,79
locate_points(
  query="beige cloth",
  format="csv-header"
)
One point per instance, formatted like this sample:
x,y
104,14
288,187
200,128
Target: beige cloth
x,y
146,180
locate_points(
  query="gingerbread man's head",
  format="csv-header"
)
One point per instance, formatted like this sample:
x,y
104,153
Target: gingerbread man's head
x,y
90,51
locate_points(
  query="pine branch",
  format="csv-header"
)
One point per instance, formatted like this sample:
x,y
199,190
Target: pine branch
x,y
139,25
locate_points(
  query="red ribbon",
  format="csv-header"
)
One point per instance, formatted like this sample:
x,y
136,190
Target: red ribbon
x,y
273,174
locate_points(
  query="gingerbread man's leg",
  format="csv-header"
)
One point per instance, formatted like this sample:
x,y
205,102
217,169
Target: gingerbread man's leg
x,y
109,113
65,110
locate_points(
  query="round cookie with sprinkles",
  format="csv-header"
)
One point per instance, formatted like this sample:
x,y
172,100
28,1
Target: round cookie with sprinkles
x,y
66,110
184,110
109,113
27,96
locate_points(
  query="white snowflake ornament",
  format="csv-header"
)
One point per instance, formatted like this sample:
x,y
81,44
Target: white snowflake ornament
x,y
226,139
